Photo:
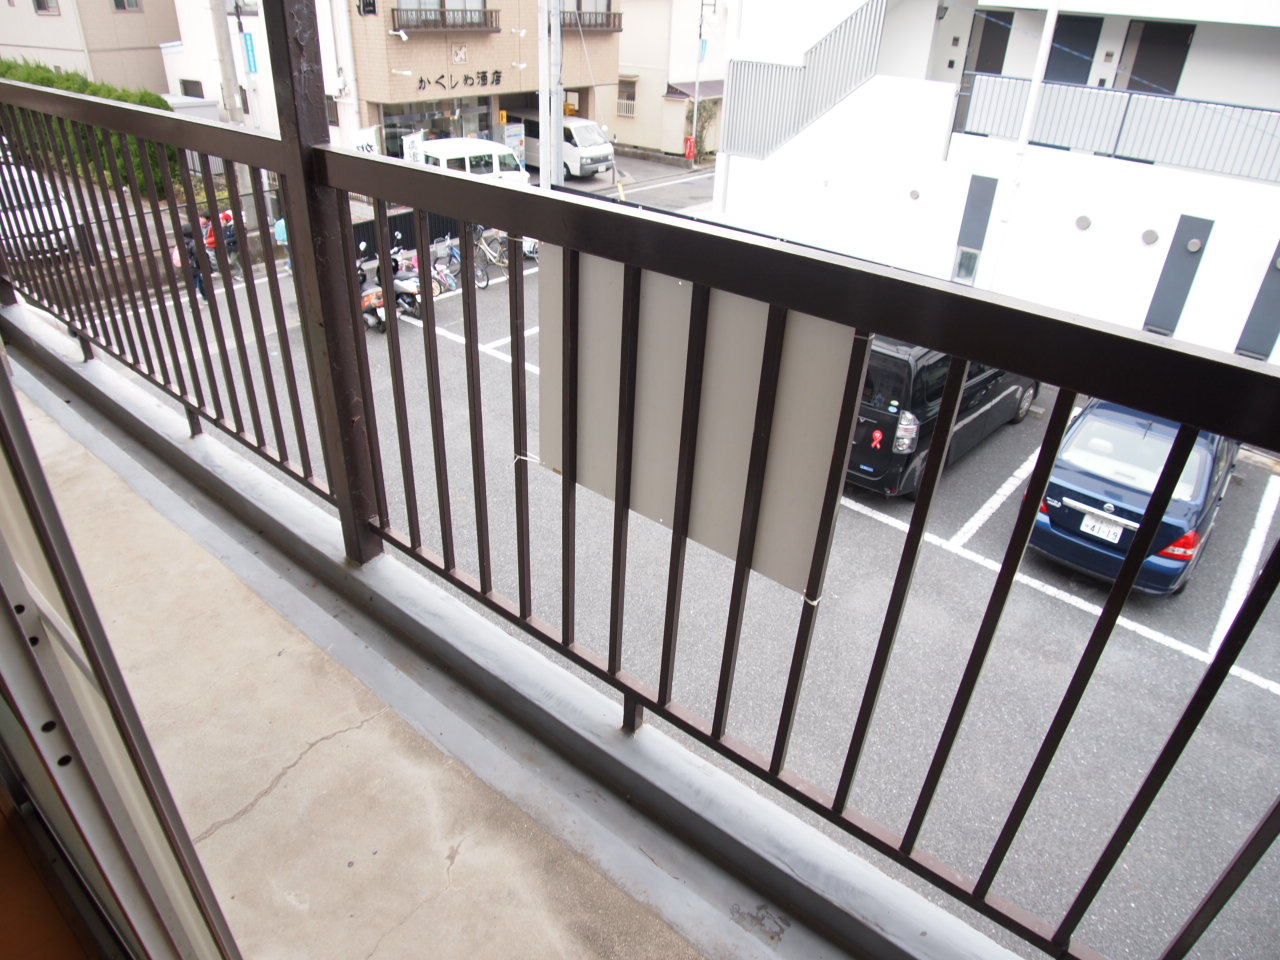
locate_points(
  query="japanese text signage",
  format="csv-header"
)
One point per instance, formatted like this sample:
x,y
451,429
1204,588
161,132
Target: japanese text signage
x,y
481,78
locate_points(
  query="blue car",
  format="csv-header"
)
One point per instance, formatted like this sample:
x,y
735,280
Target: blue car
x,y
1101,483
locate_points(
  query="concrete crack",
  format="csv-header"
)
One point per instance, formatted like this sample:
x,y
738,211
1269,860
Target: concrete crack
x,y
275,781
450,858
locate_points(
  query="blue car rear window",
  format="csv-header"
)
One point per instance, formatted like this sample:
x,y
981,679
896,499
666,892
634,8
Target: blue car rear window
x,y
1130,454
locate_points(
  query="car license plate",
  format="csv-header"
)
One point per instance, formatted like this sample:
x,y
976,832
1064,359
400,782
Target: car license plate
x,y
1107,530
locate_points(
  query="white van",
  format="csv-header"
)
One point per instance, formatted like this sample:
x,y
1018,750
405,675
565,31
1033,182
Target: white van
x,y
586,151
33,214
480,158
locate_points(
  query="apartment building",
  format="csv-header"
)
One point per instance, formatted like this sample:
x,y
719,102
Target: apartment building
x,y
672,53
1115,159
448,68
109,41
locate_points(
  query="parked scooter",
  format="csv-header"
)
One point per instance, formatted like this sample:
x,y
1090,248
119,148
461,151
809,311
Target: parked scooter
x,y
405,283
372,304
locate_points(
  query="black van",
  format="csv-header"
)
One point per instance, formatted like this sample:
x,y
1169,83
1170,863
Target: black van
x,y
900,402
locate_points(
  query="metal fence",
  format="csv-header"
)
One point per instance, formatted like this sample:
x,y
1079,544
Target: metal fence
x,y
1197,134
406,469
766,104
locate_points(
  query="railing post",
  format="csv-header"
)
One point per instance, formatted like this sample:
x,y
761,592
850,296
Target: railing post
x,y
7,295
321,272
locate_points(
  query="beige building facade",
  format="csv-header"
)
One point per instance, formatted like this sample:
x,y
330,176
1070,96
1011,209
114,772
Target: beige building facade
x,y
450,69
110,41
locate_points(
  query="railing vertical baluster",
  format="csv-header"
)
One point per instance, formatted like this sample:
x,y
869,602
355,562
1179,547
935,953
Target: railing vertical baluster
x,y
362,372
1129,569
520,422
431,360
52,278
219,257
627,361
266,236
109,331
632,713
569,445
699,303
1017,546
240,225
770,367
136,258
145,154
183,276
8,296
201,266
323,275
11,195
396,360
471,330
162,337
859,352
951,395
1251,611
255,317
128,309
1242,864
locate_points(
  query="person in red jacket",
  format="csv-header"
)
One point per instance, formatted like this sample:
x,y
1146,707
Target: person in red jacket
x,y
210,235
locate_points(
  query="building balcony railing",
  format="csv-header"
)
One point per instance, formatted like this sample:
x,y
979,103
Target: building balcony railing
x,y
415,18
626,108
681,433
1153,128
606,20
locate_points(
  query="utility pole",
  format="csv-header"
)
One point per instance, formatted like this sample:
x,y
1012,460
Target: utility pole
x,y
226,62
550,95
697,79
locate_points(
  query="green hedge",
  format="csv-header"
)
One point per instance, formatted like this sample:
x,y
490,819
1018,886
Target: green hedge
x,y
123,148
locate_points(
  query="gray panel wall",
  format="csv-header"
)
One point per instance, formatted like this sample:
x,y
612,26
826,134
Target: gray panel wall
x,y
977,212
1180,265
1262,328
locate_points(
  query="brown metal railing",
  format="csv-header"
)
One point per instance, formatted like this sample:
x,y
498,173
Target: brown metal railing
x,y
415,18
407,468
610,20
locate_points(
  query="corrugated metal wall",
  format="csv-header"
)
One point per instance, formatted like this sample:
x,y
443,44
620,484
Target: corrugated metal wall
x,y
766,104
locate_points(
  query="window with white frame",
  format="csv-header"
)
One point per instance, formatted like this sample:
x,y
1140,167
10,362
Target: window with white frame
x,y
128,5
626,98
46,6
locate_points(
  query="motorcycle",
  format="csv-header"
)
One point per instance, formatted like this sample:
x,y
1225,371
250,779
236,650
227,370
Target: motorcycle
x,y
405,283
372,303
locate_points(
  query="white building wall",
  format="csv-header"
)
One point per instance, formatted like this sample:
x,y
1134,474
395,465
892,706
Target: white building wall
x,y
901,204
1233,64
55,40
909,26
644,51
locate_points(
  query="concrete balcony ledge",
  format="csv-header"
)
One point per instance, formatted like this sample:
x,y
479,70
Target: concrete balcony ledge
x,y
330,734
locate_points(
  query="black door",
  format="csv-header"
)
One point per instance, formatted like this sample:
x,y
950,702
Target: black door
x,y
991,30
1075,40
1154,55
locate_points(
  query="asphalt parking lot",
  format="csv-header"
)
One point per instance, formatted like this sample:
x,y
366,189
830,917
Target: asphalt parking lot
x,y
1146,677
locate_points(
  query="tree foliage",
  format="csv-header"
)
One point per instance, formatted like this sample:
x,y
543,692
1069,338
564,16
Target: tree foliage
x,y
120,154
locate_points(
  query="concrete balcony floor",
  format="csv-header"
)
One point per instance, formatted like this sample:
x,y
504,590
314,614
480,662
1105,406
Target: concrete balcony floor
x,y
348,802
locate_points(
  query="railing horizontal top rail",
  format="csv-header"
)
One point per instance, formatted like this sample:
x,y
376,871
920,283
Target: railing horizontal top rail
x,y
1037,341
169,129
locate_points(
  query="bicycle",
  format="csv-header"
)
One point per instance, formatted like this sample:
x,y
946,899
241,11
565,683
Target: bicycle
x,y
493,249
451,262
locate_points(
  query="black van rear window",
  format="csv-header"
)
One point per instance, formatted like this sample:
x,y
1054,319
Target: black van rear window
x,y
886,383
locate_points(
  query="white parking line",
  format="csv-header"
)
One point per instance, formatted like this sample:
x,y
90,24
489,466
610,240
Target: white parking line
x,y
1248,562
503,341
985,512
669,183
460,339
1155,636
